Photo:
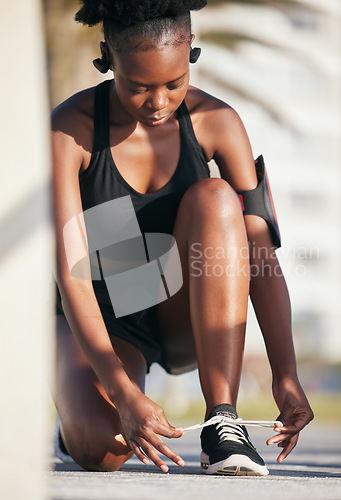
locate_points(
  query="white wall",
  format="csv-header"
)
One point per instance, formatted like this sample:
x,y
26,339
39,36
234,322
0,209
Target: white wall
x,y
26,254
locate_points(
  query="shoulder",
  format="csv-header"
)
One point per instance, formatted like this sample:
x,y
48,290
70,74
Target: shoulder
x,y
72,122
212,119
203,105
77,111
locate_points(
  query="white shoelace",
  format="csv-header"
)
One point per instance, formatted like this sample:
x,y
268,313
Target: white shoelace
x,y
228,432
222,420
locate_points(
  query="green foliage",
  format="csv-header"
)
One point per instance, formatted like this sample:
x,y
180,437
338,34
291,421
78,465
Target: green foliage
x,y
226,40
326,407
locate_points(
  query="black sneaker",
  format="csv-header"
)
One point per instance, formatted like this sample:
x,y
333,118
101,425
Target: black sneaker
x,y
227,449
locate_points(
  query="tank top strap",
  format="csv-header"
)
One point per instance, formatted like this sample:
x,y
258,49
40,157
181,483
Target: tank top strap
x,y
101,116
186,127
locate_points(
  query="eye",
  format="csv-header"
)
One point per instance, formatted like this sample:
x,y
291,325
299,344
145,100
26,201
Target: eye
x,y
135,91
175,87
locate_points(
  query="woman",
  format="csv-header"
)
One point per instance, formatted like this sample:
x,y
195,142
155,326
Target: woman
x,y
148,135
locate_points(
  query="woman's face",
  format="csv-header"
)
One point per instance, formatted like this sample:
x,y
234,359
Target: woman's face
x,y
152,84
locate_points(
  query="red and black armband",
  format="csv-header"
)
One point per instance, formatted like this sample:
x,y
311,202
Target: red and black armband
x,y
259,202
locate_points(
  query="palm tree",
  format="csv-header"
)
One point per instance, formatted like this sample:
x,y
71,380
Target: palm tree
x,y
284,27
70,49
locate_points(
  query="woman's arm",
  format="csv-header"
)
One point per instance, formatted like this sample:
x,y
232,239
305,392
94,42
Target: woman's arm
x,y
268,289
270,299
142,420
78,297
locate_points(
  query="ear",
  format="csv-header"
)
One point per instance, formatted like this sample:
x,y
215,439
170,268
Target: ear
x,y
104,48
106,54
192,38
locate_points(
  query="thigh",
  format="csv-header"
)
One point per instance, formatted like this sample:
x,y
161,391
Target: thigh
x,y
90,423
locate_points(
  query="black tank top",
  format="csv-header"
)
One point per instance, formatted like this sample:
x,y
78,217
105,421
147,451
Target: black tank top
x,y
102,181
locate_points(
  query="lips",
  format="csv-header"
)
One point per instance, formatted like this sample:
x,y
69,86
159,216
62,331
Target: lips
x,y
155,120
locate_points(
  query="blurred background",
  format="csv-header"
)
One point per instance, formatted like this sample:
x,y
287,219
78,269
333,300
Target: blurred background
x,y
277,62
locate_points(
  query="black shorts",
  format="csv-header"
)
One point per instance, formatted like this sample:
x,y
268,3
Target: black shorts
x,y
140,329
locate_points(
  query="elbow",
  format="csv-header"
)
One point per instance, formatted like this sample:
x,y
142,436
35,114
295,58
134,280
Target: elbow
x,y
69,285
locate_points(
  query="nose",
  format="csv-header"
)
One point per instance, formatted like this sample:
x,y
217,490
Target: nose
x,y
158,100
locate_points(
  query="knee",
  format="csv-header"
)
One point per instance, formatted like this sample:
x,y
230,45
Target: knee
x,y
95,452
212,197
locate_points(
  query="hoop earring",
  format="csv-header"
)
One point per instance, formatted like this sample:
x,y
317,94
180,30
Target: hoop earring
x,y
194,55
102,64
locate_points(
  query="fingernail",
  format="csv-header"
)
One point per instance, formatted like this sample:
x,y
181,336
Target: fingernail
x,y
181,463
145,461
164,468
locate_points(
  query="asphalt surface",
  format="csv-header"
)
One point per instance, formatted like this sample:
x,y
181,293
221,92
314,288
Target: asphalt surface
x,y
312,471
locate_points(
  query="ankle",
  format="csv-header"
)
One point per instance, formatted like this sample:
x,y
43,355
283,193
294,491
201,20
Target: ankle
x,y
220,408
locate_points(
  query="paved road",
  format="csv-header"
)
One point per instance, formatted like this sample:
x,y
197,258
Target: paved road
x,y
312,471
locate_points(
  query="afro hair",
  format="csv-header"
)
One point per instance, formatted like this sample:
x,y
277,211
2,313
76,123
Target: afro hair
x,y
132,12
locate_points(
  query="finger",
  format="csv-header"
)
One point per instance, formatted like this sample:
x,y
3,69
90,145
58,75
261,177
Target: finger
x,y
282,437
281,445
290,430
278,439
160,446
290,445
294,429
298,421
178,432
149,451
138,452
278,428
152,439
284,415
167,430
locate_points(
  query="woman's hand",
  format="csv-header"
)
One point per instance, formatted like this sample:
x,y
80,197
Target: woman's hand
x,y
295,415
142,421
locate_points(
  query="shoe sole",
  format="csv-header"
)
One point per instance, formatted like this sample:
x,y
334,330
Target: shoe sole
x,y
236,465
